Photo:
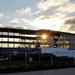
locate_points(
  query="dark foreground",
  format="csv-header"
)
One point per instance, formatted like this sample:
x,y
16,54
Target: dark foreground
x,y
67,71
47,62
17,70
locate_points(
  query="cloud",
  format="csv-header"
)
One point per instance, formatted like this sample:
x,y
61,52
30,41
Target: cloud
x,y
47,4
1,25
70,21
1,15
16,26
68,7
67,28
24,20
25,11
15,21
18,21
69,24
43,17
52,22
56,15
60,15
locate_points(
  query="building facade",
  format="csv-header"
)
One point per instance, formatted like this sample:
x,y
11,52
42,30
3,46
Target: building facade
x,y
14,38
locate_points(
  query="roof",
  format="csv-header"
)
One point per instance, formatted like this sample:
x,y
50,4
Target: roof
x,y
16,30
29,31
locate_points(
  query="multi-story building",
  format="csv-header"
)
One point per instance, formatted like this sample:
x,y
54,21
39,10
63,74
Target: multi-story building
x,y
14,37
58,39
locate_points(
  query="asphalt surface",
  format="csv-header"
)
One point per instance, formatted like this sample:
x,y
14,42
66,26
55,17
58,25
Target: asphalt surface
x,y
67,71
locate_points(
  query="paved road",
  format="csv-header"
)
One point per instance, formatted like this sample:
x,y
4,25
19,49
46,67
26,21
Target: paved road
x,y
70,71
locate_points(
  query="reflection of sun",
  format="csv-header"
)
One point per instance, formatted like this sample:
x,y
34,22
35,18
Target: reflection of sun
x,y
44,36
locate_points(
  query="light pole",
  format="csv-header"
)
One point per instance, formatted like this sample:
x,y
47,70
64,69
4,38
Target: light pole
x,y
26,58
10,57
51,60
39,54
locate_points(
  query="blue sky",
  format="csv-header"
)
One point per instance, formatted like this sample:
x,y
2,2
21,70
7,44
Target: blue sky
x,y
56,15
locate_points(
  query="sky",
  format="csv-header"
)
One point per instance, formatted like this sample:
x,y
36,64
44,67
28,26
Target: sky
x,y
57,15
